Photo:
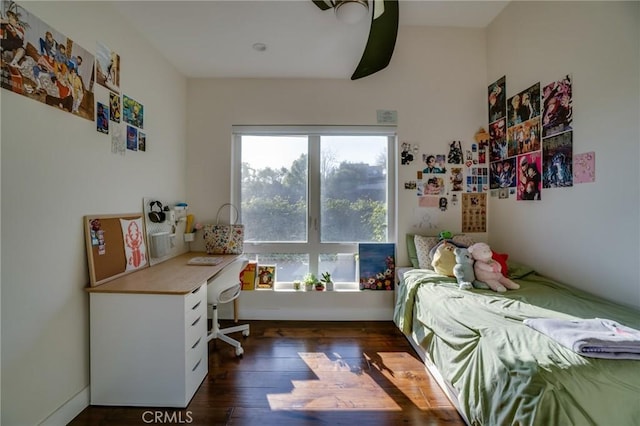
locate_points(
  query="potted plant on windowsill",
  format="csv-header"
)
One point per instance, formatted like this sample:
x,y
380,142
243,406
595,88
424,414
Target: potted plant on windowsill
x,y
326,280
309,281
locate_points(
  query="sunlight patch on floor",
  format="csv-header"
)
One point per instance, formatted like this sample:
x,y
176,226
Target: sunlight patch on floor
x,y
346,384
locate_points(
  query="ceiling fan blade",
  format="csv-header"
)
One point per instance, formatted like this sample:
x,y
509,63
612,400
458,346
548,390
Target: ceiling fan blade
x,y
382,38
322,4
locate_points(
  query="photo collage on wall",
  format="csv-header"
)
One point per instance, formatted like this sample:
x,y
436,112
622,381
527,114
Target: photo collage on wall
x,y
530,139
443,175
41,63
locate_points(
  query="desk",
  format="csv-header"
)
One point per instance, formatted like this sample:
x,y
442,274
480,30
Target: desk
x,y
148,343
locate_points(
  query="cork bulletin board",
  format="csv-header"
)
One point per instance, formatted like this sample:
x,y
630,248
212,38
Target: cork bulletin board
x,y
116,245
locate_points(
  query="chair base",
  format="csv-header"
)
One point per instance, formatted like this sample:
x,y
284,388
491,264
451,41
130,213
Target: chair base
x,y
221,333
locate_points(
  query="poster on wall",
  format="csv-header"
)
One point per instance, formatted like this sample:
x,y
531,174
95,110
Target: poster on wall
x,y
502,174
474,212
39,62
497,100
524,137
558,161
132,112
132,138
102,118
498,140
529,177
557,101
107,68
115,111
523,106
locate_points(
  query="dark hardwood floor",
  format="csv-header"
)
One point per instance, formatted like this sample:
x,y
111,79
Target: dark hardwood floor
x,y
305,373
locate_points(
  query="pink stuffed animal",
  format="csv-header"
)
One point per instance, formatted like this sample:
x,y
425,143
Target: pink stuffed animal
x,y
488,270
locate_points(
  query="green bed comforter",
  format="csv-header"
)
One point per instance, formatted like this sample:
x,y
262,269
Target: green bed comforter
x,y
506,373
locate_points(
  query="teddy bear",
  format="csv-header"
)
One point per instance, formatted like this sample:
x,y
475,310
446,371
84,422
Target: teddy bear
x,y
463,270
488,270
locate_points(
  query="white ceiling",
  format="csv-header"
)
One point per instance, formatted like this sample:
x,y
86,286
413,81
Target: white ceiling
x,y
215,38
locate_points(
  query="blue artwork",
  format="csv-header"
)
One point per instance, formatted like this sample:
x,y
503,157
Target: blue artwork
x,y
377,266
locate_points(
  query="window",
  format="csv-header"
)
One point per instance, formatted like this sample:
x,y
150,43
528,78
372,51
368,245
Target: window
x,y
308,195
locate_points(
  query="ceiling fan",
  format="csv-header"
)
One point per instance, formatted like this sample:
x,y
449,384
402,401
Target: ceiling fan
x,y
382,34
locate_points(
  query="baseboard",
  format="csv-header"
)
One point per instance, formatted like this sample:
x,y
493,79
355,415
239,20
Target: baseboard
x,y
69,410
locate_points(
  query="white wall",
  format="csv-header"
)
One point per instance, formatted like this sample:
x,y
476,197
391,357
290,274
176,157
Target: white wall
x,y
55,169
587,235
436,82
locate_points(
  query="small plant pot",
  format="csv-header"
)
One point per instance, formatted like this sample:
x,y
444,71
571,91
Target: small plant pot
x,y
319,287
297,286
308,287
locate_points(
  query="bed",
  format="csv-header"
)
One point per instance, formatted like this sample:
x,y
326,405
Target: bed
x,y
498,371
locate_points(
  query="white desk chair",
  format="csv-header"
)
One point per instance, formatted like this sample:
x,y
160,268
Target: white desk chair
x,y
224,287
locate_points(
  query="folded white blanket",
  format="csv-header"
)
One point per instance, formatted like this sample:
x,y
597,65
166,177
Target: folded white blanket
x,y
596,338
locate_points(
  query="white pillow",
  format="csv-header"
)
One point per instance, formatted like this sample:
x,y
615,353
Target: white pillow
x,y
423,247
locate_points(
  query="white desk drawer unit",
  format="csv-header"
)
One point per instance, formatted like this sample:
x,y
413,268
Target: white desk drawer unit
x,y
148,349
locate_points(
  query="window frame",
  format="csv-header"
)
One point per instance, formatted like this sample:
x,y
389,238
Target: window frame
x,y
313,246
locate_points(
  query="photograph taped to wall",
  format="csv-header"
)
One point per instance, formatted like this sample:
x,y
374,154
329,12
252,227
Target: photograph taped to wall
x,y
42,64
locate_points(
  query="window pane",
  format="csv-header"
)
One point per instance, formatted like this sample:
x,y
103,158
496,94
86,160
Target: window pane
x,y
274,188
353,189
289,267
341,266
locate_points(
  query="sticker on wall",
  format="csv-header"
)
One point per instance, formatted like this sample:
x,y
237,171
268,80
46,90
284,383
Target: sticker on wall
x,y
114,101
443,203
558,161
132,138
584,167
529,178
503,193
132,112
107,68
102,118
497,100
43,64
557,103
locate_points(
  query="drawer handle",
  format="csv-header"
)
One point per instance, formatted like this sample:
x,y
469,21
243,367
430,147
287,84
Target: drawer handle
x,y
196,321
196,343
196,290
196,306
197,364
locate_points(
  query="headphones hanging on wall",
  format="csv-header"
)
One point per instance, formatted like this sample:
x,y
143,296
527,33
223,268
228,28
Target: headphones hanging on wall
x,y
156,216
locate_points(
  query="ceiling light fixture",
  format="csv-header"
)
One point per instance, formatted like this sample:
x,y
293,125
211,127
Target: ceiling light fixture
x,y
351,11
259,47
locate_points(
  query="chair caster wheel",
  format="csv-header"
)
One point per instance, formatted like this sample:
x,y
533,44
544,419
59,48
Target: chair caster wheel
x,y
245,333
239,352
